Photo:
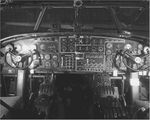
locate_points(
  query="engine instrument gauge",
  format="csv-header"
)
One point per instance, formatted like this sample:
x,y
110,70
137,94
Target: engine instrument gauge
x,y
42,47
109,45
108,52
47,57
47,64
55,57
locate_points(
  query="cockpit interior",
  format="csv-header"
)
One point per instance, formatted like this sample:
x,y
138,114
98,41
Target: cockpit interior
x,y
74,59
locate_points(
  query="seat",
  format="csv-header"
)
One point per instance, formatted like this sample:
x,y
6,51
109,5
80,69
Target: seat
x,y
12,102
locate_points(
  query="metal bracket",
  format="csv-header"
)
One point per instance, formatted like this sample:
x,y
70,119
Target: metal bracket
x,y
40,17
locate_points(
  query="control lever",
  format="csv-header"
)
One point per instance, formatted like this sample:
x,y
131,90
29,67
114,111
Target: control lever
x,y
47,86
45,99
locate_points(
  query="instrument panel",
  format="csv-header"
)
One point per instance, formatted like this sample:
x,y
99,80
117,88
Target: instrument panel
x,y
78,54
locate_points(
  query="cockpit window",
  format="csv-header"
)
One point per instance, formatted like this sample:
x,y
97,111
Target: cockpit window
x,y
133,16
16,20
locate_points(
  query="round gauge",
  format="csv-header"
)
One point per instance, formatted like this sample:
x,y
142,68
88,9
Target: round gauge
x,y
55,57
42,47
108,52
128,46
18,47
55,64
138,60
47,57
109,45
47,64
8,47
100,49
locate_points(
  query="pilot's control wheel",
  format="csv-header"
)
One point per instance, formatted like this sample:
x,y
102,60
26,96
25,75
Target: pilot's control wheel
x,y
17,60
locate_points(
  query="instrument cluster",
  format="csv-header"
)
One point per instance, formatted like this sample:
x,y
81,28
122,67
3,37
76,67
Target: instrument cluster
x,y
78,54
48,48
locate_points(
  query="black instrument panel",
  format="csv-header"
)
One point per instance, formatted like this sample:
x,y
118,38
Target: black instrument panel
x,y
84,53
81,54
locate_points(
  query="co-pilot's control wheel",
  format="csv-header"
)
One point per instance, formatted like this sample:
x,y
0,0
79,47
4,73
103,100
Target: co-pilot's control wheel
x,y
132,62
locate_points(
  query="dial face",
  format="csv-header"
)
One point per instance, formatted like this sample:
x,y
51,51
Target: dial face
x,y
108,52
47,64
42,47
47,57
109,45
55,57
138,60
